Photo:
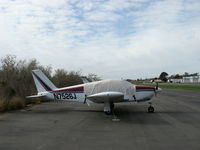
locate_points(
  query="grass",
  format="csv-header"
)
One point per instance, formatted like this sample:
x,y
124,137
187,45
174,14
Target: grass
x,y
15,103
178,86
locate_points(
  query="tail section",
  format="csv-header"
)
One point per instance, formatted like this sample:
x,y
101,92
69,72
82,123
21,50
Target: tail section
x,y
42,82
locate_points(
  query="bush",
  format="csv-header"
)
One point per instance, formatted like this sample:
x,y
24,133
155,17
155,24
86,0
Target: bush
x,y
2,106
32,101
16,103
62,78
16,79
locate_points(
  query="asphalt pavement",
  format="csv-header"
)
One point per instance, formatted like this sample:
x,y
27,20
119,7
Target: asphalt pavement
x,y
49,126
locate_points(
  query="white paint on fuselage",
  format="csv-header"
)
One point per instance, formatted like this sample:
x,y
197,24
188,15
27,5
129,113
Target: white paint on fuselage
x,y
144,95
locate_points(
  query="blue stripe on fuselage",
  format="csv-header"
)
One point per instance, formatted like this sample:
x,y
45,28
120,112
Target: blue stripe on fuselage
x,y
144,90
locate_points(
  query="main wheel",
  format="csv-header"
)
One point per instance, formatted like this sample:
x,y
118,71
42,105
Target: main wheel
x,y
108,112
151,109
112,106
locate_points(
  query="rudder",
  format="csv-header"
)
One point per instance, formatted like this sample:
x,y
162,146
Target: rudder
x,y
42,82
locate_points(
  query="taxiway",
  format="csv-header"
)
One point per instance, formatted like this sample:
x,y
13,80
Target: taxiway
x,y
49,126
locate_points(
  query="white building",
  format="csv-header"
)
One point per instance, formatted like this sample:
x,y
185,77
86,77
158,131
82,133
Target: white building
x,y
191,79
176,80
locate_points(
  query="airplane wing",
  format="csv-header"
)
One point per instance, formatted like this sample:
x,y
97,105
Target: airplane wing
x,y
106,97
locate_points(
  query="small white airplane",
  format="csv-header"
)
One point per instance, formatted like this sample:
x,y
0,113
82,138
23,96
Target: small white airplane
x,y
105,91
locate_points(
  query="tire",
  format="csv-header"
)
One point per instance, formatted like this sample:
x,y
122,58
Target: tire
x,y
112,106
108,112
151,109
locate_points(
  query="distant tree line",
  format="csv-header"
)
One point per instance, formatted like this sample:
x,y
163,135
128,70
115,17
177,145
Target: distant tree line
x,y
179,76
164,76
16,79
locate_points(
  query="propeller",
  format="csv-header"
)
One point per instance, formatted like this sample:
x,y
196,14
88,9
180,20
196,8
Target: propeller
x,y
156,88
156,85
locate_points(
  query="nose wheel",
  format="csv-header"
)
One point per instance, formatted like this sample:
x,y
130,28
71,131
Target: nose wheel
x,y
150,109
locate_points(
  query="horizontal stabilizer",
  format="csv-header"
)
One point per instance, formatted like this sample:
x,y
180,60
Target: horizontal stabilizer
x,y
35,96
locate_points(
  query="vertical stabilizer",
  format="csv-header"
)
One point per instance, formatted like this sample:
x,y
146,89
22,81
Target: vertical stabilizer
x,y
42,82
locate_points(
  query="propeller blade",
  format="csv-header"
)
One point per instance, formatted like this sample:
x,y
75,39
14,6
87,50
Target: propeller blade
x,y
155,92
156,88
156,85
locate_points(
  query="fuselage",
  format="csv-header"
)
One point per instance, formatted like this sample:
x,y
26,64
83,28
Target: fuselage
x,y
79,93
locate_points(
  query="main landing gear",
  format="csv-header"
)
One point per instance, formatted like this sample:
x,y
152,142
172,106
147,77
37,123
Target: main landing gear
x,y
108,108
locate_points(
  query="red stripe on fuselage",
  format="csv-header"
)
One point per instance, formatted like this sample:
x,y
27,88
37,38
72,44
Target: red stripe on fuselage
x,y
77,89
144,88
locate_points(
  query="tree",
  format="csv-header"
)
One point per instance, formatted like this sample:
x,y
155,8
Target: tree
x,y
194,74
63,78
93,77
186,74
15,77
7,76
163,76
177,76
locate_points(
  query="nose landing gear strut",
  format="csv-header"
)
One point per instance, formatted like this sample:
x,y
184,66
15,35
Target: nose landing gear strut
x,y
150,108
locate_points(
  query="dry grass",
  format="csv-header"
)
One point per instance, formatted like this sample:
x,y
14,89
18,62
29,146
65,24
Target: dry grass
x,y
13,104
33,100
2,106
16,103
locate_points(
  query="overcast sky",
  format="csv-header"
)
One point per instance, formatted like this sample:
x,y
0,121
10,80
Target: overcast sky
x,y
112,38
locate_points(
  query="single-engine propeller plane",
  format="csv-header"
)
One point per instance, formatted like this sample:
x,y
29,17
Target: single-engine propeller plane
x,y
107,92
